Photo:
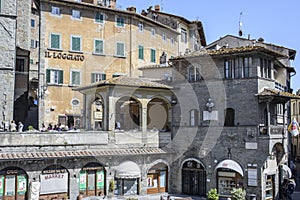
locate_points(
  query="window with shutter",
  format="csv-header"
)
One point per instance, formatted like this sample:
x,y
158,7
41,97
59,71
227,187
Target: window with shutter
x,y
120,21
153,55
96,77
54,41
98,47
99,18
76,43
120,49
141,52
54,76
75,77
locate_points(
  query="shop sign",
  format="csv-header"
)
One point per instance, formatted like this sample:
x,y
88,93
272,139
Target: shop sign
x,y
64,56
1,185
22,185
100,180
54,183
82,181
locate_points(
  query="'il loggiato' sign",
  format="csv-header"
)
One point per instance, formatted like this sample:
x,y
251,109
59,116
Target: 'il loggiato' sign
x,y
64,56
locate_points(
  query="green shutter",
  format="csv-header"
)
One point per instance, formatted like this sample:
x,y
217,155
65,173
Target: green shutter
x,y
55,41
103,76
93,78
76,44
60,76
141,52
48,75
153,56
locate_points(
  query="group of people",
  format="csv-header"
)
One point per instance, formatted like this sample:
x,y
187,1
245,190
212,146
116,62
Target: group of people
x,y
16,128
56,127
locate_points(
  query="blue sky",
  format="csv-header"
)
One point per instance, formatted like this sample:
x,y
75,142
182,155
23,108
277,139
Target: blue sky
x,y
278,22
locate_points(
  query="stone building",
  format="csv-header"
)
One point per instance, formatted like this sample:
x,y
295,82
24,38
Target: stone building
x,y
88,41
295,114
232,102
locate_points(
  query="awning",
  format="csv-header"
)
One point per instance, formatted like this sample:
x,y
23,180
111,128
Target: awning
x,y
286,171
231,164
128,169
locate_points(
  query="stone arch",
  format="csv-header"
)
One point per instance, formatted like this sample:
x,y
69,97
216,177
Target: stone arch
x,y
278,151
157,177
158,115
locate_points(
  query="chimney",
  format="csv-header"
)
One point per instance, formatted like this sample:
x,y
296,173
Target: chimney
x,y
131,9
157,8
260,40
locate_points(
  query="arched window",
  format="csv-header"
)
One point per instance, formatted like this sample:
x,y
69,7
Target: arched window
x,y
194,117
229,117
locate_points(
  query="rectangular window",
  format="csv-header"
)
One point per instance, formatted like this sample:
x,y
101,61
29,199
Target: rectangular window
x,y
141,52
54,76
153,31
183,35
120,49
153,55
20,65
96,77
172,40
76,14
31,61
226,69
164,38
246,66
54,41
75,43
75,77
141,26
32,43
55,11
32,22
120,21
98,46
99,18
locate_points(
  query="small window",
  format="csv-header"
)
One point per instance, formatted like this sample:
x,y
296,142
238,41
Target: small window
x,y
76,43
54,41
120,22
194,74
75,77
75,102
153,55
99,18
164,38
31,61
32,43
98,47
120,49
55,11
183,36
172,41
76,14
229,117
227,69
141,26
32,22
141,52
153,31
96,77
54,76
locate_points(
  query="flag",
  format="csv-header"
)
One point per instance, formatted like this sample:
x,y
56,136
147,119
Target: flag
x,y
294,128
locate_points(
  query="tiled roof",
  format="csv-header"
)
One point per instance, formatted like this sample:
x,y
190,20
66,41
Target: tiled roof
x,y
126,81
228,51
271,92
80,153
155,66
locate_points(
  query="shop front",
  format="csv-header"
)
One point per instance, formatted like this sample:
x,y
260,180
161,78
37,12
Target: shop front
x,y
157,179
13,184
229,175
92,180
127,179
54,183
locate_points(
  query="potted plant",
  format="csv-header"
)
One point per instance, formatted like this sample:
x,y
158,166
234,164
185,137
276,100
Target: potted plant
x,y
238,194
213,194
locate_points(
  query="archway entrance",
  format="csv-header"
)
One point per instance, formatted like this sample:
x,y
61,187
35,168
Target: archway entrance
x,y
193,178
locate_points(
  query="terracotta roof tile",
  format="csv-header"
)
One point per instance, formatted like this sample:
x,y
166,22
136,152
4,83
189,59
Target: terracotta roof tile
x,y
271,92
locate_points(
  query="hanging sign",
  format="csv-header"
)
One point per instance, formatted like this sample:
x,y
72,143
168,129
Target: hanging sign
x,y
294,128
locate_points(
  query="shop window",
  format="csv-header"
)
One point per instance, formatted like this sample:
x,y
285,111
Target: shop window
x,y
227,180
92,180
126,186
269,188
229,117
157,180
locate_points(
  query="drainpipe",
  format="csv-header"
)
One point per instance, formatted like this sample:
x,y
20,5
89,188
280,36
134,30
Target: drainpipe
x,y
130,49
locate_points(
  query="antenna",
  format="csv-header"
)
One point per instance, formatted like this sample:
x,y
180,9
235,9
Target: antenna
x,y
240,25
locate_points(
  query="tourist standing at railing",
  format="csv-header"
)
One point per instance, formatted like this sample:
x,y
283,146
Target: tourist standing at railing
x,y
13,126
20,127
